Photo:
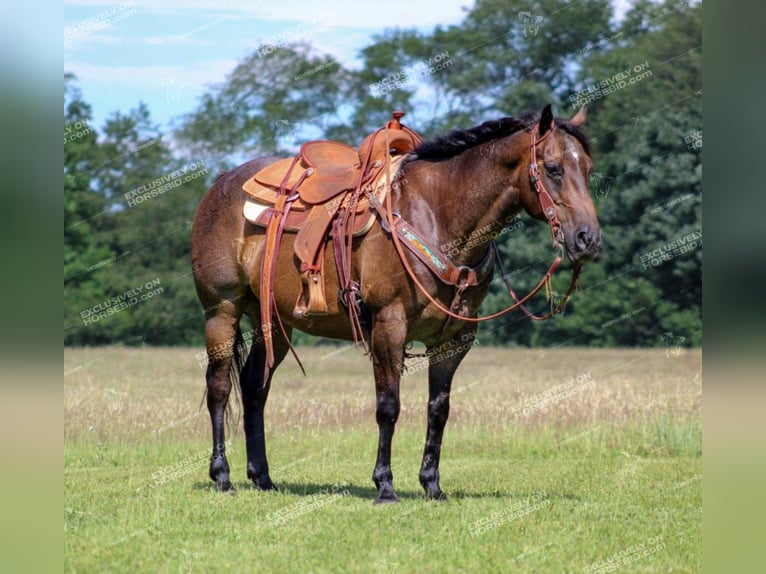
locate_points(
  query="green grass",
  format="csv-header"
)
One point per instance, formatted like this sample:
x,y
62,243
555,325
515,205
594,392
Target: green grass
x,y
611,471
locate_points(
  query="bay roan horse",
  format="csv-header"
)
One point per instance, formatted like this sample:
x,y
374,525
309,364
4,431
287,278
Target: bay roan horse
x,y
460,186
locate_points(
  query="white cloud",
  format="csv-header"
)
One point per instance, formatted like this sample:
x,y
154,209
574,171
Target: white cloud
x,y
344,49
189,37
176,40
100,39
152,76
620,8
373,15
368,15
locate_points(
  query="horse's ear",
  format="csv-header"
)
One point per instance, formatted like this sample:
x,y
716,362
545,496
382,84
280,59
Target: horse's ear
x,y
546,120
579,118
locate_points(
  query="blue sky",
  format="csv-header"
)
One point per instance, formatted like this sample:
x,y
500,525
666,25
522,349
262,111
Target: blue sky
x,y
166,53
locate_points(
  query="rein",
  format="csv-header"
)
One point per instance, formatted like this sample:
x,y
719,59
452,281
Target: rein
x,y
462,277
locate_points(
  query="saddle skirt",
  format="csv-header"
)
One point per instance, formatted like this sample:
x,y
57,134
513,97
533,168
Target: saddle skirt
x,y
258,207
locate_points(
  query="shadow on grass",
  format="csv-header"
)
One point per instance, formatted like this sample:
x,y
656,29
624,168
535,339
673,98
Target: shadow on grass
x,y
310,488
369,493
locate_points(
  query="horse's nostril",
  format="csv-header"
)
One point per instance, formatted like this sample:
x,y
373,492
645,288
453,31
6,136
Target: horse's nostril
x,y
584,238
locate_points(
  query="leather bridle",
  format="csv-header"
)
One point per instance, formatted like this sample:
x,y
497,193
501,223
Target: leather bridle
x,y
547,204
462,277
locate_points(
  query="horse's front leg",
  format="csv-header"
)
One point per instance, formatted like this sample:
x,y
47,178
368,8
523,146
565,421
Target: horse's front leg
x,y
443,362
388,339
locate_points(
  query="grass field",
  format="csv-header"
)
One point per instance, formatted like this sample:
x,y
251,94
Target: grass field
x,y
571,460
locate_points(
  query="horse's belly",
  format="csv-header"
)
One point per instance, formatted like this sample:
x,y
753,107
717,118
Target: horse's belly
x,y
288,287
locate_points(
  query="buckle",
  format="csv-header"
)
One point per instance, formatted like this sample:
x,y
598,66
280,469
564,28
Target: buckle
x,y
383,223
550,213
465,277
534,173
371,198
558,235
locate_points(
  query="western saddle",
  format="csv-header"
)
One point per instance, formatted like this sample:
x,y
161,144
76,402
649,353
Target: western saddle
x,y
323,194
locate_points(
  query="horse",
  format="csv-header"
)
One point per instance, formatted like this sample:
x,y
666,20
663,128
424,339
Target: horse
x,y
451,189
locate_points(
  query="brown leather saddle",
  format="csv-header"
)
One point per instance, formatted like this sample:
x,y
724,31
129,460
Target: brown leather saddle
x,y
321,195
259,208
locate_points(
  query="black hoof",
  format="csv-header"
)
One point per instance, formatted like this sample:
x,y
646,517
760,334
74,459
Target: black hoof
x,y
435,494
225,486
261,480
263,483
386,495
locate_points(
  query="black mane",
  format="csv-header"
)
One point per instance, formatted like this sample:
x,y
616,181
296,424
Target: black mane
x,y
458,141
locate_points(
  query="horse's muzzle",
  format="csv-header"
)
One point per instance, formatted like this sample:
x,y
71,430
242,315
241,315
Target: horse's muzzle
x,y
586,245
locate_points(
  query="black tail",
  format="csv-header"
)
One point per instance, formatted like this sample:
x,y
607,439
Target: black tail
x,y
239,357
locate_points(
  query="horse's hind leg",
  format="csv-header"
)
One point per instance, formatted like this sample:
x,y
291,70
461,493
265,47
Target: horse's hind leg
x,y
220,338
254,395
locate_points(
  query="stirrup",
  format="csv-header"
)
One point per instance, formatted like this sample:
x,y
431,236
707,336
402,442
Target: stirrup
x,y
311,300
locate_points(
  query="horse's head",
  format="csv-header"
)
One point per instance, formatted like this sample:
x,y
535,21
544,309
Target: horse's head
x,y
561,154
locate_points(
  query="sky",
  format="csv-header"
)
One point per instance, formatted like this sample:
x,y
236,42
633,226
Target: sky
x,y
168,53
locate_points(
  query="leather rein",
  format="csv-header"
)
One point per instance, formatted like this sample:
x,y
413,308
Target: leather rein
x,y
463,277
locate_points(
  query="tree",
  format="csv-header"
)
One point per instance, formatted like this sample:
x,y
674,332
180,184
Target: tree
x,y
511,55
654,204
153,197
642,79
647,187
270,100
85,211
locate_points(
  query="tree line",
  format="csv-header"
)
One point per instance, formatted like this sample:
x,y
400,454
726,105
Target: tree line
x,y
130,190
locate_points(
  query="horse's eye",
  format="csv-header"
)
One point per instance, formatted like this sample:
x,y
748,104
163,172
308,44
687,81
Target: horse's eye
x,y
552,169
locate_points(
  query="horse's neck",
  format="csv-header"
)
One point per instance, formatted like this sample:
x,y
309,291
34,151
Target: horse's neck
x,y
460,204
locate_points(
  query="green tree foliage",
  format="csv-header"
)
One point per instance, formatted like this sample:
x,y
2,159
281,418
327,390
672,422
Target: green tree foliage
x,y
271,100
506,57
134,238
153,197
382,84
647,188
84,204
656,197
514,55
